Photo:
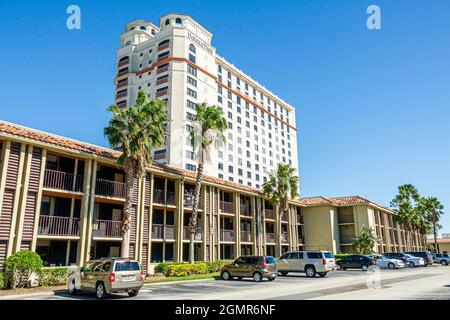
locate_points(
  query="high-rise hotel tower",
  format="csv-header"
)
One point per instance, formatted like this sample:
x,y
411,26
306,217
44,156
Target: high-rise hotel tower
x,y
177,63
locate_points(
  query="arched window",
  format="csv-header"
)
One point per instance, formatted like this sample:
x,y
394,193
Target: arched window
x,y
143,28
178,21
192,48
167,22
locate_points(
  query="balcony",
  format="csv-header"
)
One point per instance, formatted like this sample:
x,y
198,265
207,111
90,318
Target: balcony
x,y
121,94
123,63
300,219
245,210
159,156
284,237
188,201
226,235
164,46
270,237
109,188
163,69
164,197
58,226
169,232
284,217
164,56
345,218
161,81
157,231
63,180
268,213
346,239
186,234
227,207
246,236
161,93
301,240
107,229
122,72
122,84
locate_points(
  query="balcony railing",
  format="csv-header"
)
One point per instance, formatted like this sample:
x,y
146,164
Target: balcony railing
x,y
245,210
164,57
58,226
63,180
122,72
226,235
157,231
188,200
161,81
164,46
227,207
163,69
110,188
246,236
301,240
164,197
107,229
268,213
123,63
187,235
284,238
162,92
122,84
345,219
169,232
345,239
270,237
159,156
300,219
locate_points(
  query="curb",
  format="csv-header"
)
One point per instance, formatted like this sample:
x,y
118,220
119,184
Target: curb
x,y
25,295
174,282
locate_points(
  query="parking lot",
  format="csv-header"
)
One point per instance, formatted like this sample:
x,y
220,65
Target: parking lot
x,y
431,282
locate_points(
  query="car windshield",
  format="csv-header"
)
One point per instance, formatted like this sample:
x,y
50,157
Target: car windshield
x,y
127,266
328,255
270,260
409,256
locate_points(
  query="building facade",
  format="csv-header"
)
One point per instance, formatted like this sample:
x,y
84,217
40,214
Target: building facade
x,y
177,63
64,199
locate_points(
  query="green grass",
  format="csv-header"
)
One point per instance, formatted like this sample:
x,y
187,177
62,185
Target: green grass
x,y
192,277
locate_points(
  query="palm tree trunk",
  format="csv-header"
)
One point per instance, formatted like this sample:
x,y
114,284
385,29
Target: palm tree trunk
x,y
280,213
127,214
194,221
435,236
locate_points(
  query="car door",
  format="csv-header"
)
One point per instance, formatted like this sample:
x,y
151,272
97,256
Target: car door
x,y
283,262
300,265
236,268
87,275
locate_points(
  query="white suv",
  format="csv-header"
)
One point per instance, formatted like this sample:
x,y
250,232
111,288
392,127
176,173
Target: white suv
x,y
309,262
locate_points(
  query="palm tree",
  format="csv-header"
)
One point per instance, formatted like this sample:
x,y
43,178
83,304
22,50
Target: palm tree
x,y
365,241
135,131
431,209
405,204
209,128
280,188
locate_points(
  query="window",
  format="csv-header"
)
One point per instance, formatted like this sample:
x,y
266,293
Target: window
x,y
220,176
191,105
192,58
230,169
190,155
192,70
178,21
192,81
191,92
219,68
220,166
190,167
167,22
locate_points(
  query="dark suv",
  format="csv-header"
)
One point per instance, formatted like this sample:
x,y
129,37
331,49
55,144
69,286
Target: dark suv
x,y
256,267
425,255
356,262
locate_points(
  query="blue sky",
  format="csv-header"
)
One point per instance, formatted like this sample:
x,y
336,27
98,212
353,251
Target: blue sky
x,y
373,107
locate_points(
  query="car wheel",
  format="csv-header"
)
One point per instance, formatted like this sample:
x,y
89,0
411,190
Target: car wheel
x,y
226,275
391,265
71,288
412,264
323,274
310,271
133,293
100,291
257,277
364,267
283,273
444,263
338,267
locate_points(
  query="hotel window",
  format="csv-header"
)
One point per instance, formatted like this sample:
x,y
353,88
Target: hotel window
x,y
257,177
191,105
219,89
220,154
240,181
189,128
249,165
230,115
191,58
219,99
229,84
240,173
265,179
238,109
192,48
229,75
220,166
230,95
239,150
190,116
249,184
256,167
239,119
220,176
230,157
238,81
240,161
167,22
238,100
230,169
191,92
192,70
231,179
190,155
219,78
230,125
219,68
230,105
230,147
190,167
192,81
249,174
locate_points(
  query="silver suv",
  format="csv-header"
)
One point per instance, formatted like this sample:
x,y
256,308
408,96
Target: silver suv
x,y
442,258
107,275
309,262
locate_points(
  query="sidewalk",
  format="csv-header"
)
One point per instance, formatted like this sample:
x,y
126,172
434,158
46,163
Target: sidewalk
x,y
29,292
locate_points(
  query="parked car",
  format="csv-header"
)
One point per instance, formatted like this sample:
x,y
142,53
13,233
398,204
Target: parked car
x,y
384,262
425,255
107,275
309,262
355,262
256,267
442,258
408,259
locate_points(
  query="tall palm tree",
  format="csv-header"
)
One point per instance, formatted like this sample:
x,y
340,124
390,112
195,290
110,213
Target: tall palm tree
x,y
209,128
135,131
405,204
282,186
431,209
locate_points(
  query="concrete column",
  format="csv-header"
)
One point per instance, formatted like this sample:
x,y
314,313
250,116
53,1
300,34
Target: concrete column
x,y
39,199
139,232
179,216
17,199
277,230
150,220
255,229
237,228
3,169
204,225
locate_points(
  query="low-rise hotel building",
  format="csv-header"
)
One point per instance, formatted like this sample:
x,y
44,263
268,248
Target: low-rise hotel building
x,y
64,199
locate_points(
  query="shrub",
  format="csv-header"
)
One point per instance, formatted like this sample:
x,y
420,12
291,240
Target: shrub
x,y
182,270
56,276
162,266
20,266
339,256
2,281
215,266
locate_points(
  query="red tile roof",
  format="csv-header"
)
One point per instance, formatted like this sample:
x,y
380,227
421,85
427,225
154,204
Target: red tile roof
x,y
439,240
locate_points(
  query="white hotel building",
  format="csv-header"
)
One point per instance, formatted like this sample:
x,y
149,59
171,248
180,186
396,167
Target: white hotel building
x,y
177,63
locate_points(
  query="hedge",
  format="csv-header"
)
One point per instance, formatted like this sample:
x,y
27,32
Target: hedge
x,y
2,281
211,266
182,270
54,276
339,256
